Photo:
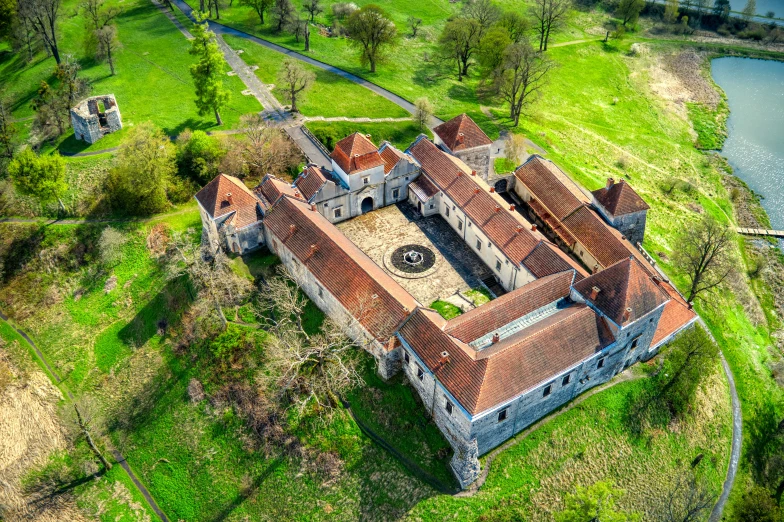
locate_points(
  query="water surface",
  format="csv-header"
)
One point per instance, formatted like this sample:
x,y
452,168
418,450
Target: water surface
x,y
755,145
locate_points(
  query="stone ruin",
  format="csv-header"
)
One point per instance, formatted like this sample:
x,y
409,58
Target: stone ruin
x,y
94,117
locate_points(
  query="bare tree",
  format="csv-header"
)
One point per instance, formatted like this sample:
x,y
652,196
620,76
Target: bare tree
x,y
423,113
688,500
293,79
24,36
260,6
87,420
107,44
43,15
413,23
268,149
99,14
548,15
282,10
8,131
281,303
703,255
514,148
297,26
523,75
485,12
313,8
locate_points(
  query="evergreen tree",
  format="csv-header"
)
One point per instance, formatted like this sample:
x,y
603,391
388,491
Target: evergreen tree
x,y
207,72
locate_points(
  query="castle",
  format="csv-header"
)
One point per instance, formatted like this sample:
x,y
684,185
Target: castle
x,y
578,302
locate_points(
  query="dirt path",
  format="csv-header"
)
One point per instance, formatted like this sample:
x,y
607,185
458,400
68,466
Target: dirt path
x,y
23,221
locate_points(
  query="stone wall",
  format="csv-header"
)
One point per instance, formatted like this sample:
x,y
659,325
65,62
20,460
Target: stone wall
x,y
478,159
90,124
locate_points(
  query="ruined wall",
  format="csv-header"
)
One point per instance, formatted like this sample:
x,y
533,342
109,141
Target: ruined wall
x,y
90,124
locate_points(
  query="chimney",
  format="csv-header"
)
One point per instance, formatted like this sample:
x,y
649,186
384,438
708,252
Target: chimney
x,y
511,207
292,229
534,228
473,173
627,314
391,343
594,292
495,338
460,137
492,189
444,357
367,136
519,229
497,208
476,191
297,194
313,207
657,280
459,173
610,183
313,249
230,198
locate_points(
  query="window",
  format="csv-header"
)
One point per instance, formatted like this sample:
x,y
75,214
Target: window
x,y
338,212
634,342
547,390
432,206
498,264
420,373
502,415
447,211
448,406
395,193
406,357
406,178
566,380
489,244
321,292
326,204
600,364
459,225
365,181
478,244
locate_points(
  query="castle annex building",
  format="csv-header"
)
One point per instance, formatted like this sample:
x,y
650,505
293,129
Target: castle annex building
x,y
576,303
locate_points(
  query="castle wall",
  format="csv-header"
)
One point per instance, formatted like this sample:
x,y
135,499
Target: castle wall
x,y
478,159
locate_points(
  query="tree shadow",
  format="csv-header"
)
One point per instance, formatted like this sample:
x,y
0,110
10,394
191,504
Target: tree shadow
x,y
248,491
20,251
159,314
762,428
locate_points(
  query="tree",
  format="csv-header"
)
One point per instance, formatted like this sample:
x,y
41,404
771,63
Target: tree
x,y
629,11
515,148
259,6
42,177
198,155
490,54
516,25
8,131
98,14
107,44
459,41
86,421
423,112
43,15
297,26
267,149
293,79
24,36
50,111
703,256
282,11
548,15
213,4
671,13
484,12
313,8
750,10
524,71
372,31
594,503
721,9
758,506
143,167
8,15
413,23
688,500
207,72
110,246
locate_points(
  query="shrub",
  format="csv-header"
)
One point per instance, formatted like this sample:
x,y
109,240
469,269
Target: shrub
x,y
110,246
198,155
342,10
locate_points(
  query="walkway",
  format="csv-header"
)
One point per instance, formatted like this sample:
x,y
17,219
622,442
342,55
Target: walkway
x,y
759,232
117,455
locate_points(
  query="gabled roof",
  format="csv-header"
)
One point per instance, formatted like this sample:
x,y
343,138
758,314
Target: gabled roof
x,y
376,300
547,259
547,188
214,198
273,188
510,234
482,379
501,311
356,153
310,181
625,284
390,155
619,198
676,315
461,133
587,228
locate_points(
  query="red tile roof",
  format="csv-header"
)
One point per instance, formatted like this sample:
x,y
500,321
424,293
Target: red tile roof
x,y
547,259
595,236
310,181
273,188
378,302
547,188
620,198
214,198
482,379
461,133
676,315
391,157
356,153
423,188
623,285
493,315
505,231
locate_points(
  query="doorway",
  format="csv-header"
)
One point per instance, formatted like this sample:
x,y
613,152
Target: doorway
x,y
367,205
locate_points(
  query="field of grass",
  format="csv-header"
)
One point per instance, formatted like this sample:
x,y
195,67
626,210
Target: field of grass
x,y
152,83
399,134
447,310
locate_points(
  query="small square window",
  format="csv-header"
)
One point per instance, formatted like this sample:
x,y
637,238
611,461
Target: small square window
x,y
600,364
326,204
365,181
459,225
395,193
420,373
432,206
478,245
489,244
406,178
498,264
406,357
338,212
547,390
502,415
448,407
566,380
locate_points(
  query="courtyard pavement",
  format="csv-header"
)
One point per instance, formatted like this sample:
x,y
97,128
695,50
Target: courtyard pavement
x,y
459,269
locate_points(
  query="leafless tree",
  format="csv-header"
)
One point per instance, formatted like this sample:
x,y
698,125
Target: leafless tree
x,y
688,500
88,422
24,36
43,15
293,79
313,8
548,15
297,26
523,74
423,113
107,44
99,14
211,275
281,303
485,12
413,24
514,148
703,255
282,10
268,149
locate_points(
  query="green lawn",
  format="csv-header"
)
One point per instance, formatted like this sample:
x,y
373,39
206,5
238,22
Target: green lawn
x,y
329,96
400,134
152,81
447,310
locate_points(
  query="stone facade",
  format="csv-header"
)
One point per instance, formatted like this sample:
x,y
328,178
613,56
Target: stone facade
x,y
630,225
478,159
95,117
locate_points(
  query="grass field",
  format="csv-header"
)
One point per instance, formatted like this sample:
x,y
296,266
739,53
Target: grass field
x,y
400,134
152,83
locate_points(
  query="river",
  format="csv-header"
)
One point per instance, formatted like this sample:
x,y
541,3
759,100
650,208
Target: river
x,y
755,142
